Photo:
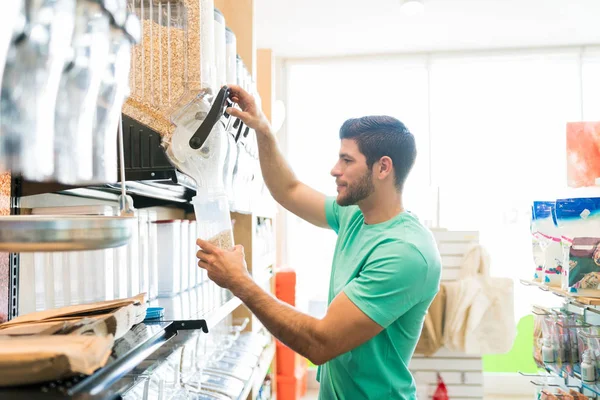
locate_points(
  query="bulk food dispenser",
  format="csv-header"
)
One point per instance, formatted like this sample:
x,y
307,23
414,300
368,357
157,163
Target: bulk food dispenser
x,y
41,43
171,67
78,93
173,81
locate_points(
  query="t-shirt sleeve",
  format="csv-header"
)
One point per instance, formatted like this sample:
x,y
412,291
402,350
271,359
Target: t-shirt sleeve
x,y
332,212
390,284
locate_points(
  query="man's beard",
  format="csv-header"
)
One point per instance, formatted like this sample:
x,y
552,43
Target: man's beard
x,y
358,191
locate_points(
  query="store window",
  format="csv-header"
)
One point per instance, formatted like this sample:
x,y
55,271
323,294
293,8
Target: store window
x,y
321,96
491,132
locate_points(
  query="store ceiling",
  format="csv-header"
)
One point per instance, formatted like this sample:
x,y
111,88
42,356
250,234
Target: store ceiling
x,y
315,28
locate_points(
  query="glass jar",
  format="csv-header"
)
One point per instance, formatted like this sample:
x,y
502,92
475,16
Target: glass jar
x,y
78,93
34,65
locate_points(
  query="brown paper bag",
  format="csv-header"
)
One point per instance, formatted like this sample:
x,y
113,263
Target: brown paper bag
x,y
431,339
82,310
35,359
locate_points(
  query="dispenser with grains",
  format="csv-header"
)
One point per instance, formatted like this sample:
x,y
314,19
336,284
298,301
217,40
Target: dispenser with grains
x,y
171,67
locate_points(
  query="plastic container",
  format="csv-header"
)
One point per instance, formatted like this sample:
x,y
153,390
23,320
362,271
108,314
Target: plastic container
x,y
152,255
213,218
230,161
133,261
169,257
192,259
184,248
167,70
144,251
78,93
220,48
30,85
80,276
231,56
113,91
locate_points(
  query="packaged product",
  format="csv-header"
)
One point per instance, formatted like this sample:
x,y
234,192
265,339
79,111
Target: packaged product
x,y
549,240
578,221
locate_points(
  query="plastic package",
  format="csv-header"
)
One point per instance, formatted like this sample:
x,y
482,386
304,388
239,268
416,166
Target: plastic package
x,y
537,252
168,68
30,85
549,239
577,220
169,257
113,91
78,93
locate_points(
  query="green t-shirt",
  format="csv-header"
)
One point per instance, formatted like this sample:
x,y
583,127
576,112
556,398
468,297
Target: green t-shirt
x,y
391,271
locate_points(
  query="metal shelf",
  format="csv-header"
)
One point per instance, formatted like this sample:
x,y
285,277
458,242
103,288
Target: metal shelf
x,y
187,306
108,382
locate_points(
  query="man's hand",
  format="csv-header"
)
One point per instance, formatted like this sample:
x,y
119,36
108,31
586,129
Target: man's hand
x,y
227,268
250,114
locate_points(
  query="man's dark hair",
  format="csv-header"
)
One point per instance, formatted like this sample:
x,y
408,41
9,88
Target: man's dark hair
x,y
378,136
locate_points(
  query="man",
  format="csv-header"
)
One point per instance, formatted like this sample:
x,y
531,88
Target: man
x,y
386,267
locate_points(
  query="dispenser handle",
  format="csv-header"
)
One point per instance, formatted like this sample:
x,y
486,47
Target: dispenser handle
x,y
214,115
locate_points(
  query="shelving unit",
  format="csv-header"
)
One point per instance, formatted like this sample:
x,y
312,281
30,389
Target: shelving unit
x,y
589,310
111,381
152,181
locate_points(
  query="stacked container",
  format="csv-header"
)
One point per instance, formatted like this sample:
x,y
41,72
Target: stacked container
x,y
169,257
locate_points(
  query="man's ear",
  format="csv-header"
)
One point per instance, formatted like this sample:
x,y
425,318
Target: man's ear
x,y
385,167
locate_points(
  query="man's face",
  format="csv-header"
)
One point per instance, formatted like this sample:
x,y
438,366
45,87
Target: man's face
x,y
352,176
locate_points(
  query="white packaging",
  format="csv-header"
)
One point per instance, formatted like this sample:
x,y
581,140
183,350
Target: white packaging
x,y
184,246
169,257
192,260
152,255
144,246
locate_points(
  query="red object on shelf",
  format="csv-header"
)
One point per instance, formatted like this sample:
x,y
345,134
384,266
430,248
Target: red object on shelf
x,y
441,393
292,387
285,285
286,360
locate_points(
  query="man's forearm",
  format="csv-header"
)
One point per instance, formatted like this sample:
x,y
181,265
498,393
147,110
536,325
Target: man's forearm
x,y
295,329
277,173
